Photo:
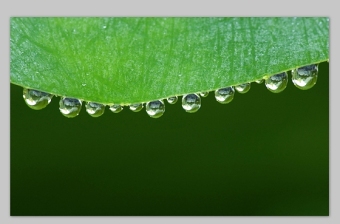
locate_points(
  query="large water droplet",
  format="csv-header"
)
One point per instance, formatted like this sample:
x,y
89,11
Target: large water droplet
x,y
95,109
243,88
136,107
36,100
277,83
305,77
69,107
204,94
191,102
172,100
116,108
225,95
155,109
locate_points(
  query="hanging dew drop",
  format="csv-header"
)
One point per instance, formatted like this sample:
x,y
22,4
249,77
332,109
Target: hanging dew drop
x,y
36,100
95,109
225,95
305,77
277,83
204,94
116,108
69,107
259,81
155,109
172,100
136,107
243,88
191,103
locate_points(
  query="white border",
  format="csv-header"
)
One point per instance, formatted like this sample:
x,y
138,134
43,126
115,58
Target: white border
x,y
167,8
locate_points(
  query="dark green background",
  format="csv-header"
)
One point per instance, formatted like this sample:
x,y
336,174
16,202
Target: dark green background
x,y
262,154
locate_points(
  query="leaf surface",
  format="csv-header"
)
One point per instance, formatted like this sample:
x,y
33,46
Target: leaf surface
x,y
132,60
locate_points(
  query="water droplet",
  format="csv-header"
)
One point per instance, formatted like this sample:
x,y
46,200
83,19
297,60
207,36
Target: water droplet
x,y
104,27
191,102
69,107
136,107
259,81
243,88
155,109
204,94
305,77
83,84
95,109
35,99
172,100
277,83
225,95
116,108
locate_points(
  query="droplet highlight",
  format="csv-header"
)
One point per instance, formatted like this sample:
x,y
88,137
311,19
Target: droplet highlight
x,y
191,103
225,95
70,107
259,81
277,83
136,107
243,88
95,109
116,108
305,77
155,109
204,94
172,100
35,99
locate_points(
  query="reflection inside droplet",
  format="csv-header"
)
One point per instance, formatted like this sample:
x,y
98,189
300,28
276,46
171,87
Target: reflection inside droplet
x,y
191,103
225,95
277,83
172,100
204,94
35,99
136,107
243,88
69,107
305,77
95,109
155,109
116,108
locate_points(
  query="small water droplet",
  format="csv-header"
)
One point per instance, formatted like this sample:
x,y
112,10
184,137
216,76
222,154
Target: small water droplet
x,y
69,107
83,84
172,100
191,102
204,94
243,88
104,27
259,81
136,107
116,108
155,109
277,83
95,109
305,77
225,95
35,99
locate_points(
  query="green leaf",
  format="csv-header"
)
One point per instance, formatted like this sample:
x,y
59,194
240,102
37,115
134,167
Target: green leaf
x,y
133,60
